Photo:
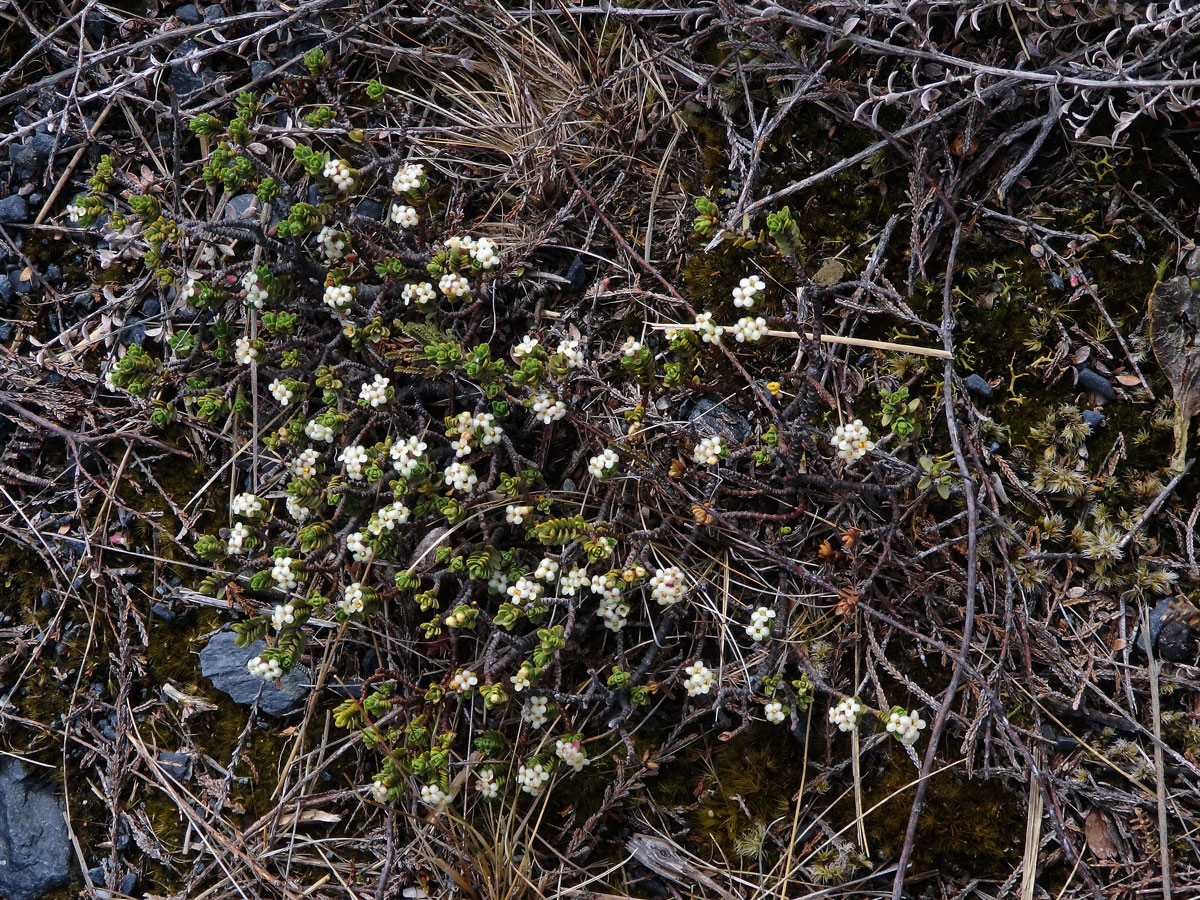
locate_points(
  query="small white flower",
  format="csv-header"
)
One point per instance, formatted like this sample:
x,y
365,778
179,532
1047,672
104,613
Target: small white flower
x,y
352,599
749,329
571,354
281,392
463,681
522,679
338,171
667,586
237,539
774,712
526,590
845,714
404,215
256,291
515,515
433,796
699,679
388,517
453,285
333,242
355,457
571,753
487,785
266,669
547,408
374,393
189,289
533,778
408,178
853,441
460,476
296,510
709,450
602,464
378,791
75,212
407,454
709,333
244,351
631,348
905,726
528,344
284,614
747,291
305,463
536,711
247,505
318,431
339,296
573,581
282,574
359,549
420,293
547,569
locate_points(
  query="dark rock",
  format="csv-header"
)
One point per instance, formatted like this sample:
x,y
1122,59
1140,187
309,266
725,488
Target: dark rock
x,y
128,883
577,276
177,765
53,274
314,195
1056,282
1171,640
28,162
35,199
98,875
1093,418
1094,383
242,206
714,416
93,24
35,848
13,210
979,387
134,332
151,306
371,209
42,142
224,663
7,329
189,14
163,612
21,285
213,13
6,289
260,68
182,79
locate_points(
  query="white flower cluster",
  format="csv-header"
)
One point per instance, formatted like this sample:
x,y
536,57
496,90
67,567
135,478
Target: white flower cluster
x,y
318,431
189,290
487,785
699,679
256,292
355,457
378,791
480,429
853,441
266,669
631,348
761,619
525,591
548,408
547,569
305,463
571,753
407,454
338,296
845,714
388,517
570,352
614,611
281,392
75,212
536,711
709,333
352,599
284,614
420,293
774,712
359,549
533,778
747,291
333,242
282,574
246,504
603,464
906,726
482,250
522,679
460,476
374,392
408,178
338,171
667,586
573,581
434,797
244,351
463,681
404,215
750,329
709,450
237,539
515,515
296,510
453,285
527,345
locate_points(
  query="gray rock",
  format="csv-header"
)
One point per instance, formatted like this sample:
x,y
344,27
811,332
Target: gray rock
x,y
224,663
979,387
177,765
182,79
213,13
1094,383
129,882
151,306
1171,640
371,209
13,210
1093,418
6,289
710,416
241,206
35,849
28,162
260,68
189,14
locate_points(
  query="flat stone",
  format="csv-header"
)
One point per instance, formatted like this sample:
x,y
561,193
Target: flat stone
x,y
6,289
712,416
260,68
177,765
224,663
979,387
28,162
35,848
213,13
189,14
241,206
1093,418
371,209
1095,383
13,210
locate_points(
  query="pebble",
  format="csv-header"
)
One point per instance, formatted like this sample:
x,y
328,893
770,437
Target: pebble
x,y
577,276
1093,418
1172,641
177,765
371,209
13,210
241,206
35,849
213,13
6,289
224,663
152,306
189,14
260,68
712,416
1094,383
979,387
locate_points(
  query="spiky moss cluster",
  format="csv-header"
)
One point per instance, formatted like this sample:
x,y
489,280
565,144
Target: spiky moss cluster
x,y
403,446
